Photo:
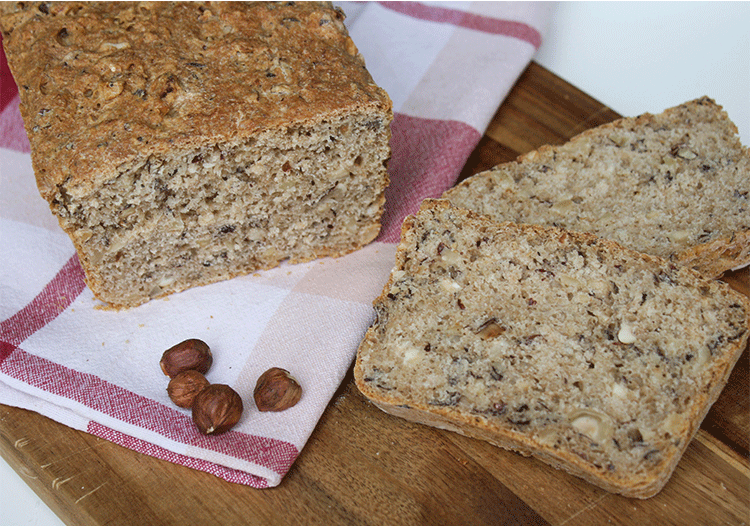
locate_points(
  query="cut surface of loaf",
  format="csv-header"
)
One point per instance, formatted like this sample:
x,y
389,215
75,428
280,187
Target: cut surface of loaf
x,y
597,359
228,139
675,185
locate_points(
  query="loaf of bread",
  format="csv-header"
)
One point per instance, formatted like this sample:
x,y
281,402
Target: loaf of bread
x,y
675,185
183,143
596,359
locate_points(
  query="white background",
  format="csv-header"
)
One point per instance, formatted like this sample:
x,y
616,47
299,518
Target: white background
x,y
648,56
632,56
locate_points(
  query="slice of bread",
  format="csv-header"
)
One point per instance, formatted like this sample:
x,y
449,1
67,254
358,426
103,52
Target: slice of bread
x,y
675,185
593,357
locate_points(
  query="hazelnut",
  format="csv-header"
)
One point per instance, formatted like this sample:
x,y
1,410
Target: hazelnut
x,y
594,424
184,387
686,153
490,329
276,390
625,334
188,355
703,355
216,409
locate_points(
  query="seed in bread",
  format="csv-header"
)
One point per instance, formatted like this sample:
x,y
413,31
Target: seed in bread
x,y
597,359
182,143
675,185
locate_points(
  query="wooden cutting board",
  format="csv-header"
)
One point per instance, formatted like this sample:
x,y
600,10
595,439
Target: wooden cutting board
x,y
362,466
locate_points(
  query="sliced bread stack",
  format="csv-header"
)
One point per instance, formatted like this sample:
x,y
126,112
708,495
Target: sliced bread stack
x,y
549,306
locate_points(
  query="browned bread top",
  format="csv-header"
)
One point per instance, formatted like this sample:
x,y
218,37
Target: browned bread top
x,y
104,83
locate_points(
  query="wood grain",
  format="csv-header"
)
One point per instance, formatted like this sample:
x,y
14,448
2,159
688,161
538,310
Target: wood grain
x,y
363,467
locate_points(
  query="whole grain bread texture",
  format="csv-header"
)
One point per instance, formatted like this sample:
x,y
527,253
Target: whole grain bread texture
x,y
184,143
675,185
594,358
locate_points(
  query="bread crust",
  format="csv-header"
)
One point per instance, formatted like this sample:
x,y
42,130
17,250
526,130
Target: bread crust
x,y
498,432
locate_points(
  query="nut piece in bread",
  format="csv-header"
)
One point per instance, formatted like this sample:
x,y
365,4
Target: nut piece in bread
x,y
184,143
674,185
597,359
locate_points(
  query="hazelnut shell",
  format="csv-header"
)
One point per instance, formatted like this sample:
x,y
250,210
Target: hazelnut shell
x,y
184,387
276,390
216,409
191,354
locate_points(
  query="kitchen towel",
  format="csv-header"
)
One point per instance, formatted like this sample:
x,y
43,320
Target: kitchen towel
x,y
447,66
